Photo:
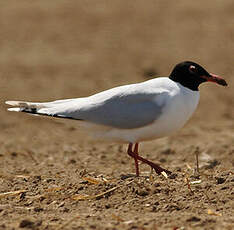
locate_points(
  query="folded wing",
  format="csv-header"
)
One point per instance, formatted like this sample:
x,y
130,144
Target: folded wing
x,y
121,107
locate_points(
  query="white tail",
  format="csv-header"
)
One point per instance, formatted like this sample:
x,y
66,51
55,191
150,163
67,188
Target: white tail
x,y
24,106
36,108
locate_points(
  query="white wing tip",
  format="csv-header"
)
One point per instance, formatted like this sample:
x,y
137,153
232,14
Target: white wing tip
x,y
14,109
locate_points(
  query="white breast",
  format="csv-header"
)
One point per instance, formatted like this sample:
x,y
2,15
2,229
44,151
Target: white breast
x,y
179,109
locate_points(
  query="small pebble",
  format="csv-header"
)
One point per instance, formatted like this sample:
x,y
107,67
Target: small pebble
x,y
26,224
220,180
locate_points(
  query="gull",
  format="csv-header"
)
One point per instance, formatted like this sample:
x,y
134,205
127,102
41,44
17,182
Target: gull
x,y
133,113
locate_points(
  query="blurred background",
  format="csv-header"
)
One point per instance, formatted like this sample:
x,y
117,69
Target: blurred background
x,y
62,49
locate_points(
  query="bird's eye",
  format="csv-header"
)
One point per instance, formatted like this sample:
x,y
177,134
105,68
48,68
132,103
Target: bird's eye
x,y
192,68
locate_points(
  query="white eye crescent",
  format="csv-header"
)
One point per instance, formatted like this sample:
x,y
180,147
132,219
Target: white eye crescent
x,y
192,68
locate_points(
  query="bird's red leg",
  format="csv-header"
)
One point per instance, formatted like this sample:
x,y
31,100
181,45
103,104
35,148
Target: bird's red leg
x,y
134,154
156,167
136,160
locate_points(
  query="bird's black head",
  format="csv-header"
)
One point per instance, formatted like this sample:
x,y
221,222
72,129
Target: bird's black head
x,y
191,75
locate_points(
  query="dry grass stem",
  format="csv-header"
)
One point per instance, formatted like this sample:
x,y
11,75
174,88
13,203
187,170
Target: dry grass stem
x,y
12,193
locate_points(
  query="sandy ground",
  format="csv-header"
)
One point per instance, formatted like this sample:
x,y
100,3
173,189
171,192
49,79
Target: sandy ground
x,y
63,180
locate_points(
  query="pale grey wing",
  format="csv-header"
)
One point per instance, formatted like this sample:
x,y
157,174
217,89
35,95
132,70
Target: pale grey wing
x,y
124,107
122,112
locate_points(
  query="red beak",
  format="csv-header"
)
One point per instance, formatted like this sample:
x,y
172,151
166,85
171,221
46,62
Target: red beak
x,y
215,78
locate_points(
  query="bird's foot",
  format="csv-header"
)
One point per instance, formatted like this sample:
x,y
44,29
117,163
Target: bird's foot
x,y
158,169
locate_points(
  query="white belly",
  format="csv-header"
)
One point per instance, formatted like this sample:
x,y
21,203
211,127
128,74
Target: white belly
x,y
176,113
